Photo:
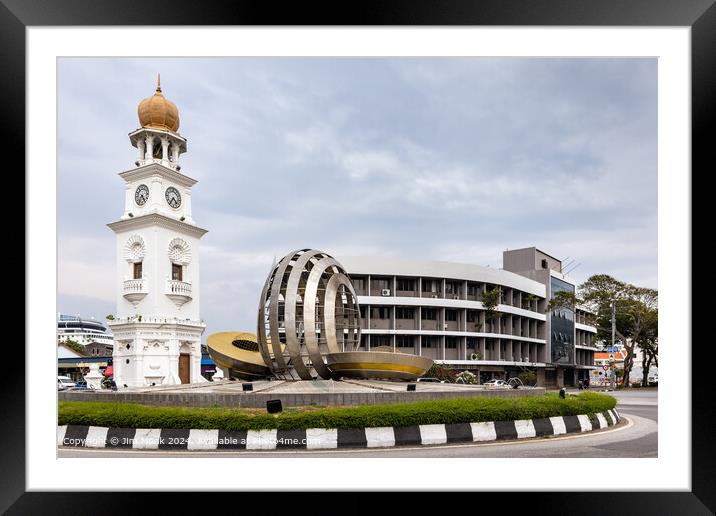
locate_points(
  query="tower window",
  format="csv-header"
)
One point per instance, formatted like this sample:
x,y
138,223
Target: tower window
x,y
177,272
137,272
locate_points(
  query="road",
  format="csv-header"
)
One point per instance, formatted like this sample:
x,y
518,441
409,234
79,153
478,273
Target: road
x,y
636,436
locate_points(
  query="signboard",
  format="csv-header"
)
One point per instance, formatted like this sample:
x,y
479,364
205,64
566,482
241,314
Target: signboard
x,y
613,349
598,378
605,367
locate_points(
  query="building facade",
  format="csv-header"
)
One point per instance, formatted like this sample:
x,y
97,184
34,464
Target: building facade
x,y
435,309
158,327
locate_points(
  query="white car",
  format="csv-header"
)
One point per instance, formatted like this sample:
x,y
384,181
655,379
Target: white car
x,y
653,378
64,382
496,383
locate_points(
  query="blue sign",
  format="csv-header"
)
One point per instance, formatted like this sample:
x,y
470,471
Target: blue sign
x,y
612,349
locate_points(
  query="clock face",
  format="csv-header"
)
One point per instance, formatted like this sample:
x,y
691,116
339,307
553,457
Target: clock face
x,y
173,198
141,195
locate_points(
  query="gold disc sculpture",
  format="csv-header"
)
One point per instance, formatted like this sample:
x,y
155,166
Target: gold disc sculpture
x,y
239,353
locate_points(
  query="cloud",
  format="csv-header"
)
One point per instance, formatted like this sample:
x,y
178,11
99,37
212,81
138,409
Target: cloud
x,y
446,158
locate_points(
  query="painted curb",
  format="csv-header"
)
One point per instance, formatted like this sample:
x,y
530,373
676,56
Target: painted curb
x,y
78,436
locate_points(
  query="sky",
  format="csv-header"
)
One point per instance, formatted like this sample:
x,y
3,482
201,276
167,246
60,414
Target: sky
x,y
453,159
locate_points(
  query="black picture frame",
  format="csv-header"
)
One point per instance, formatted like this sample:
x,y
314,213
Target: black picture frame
x,y
699,15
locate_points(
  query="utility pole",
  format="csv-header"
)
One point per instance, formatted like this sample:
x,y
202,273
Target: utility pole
x,y
611,355
614,323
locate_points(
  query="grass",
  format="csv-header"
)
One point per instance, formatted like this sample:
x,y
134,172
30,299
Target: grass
x,y
465,410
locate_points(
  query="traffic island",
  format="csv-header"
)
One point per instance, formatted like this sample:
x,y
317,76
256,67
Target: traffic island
x,y
84,436
121,425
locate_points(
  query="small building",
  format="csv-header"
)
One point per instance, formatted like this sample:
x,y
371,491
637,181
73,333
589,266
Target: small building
x,y
98,349
77,366
601,375
64,351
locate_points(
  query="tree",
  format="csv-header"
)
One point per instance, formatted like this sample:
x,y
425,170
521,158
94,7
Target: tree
x,y
649,356
75,346
441,372
528,377
528,299
490,300
636,313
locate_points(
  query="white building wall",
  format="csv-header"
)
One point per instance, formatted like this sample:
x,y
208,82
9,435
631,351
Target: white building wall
x,y
157,271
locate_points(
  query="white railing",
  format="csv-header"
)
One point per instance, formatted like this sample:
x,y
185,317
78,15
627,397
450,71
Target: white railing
x,y
132,286
178,288
155,320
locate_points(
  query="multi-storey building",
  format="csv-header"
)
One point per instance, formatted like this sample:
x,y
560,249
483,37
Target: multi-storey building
x,y
435,309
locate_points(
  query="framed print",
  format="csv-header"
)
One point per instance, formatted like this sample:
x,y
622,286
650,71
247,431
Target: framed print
x,y
430,138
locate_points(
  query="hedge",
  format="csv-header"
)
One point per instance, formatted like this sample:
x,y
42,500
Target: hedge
x,y
465,410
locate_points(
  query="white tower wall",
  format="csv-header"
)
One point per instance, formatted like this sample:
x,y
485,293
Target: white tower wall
x,y
158,327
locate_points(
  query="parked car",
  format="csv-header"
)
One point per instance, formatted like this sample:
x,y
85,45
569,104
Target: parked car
x,y
79,386
496,383
436,380
653,379
64,382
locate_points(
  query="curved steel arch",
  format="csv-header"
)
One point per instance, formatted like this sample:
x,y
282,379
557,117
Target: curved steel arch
x,y
313,280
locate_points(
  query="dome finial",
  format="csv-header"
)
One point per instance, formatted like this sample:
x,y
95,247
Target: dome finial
x,y
158,112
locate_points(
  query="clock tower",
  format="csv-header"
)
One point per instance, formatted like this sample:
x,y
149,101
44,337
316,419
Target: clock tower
x,y
157,328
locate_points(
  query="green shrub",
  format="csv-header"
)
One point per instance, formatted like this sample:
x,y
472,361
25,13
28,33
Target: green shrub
x,y
441,372
75,346
528,377
464,410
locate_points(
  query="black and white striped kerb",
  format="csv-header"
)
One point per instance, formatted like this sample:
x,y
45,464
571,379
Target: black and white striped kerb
x,y
328,438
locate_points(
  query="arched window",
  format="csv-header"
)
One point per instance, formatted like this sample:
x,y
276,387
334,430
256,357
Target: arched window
x,y
157,149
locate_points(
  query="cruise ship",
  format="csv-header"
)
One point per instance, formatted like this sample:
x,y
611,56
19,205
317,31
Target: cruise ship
x,y
82,331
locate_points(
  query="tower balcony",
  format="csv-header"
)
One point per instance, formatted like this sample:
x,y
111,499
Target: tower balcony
x,y
179,291
134,290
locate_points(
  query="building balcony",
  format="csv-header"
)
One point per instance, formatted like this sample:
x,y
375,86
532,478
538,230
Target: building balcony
x,y
134,290
179,291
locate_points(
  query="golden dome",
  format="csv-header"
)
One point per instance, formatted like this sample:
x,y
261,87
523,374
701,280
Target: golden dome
x,y
156,112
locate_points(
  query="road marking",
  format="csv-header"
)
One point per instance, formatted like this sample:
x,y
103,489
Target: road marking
x,y
612,429
96,437
202,439
602,421
585,423
380,437
558,425
146,439
432,434
261,439
61,434
321,438
525,428
483,431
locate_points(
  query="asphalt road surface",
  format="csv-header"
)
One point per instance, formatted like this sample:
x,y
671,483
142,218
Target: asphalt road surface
x,y
634,437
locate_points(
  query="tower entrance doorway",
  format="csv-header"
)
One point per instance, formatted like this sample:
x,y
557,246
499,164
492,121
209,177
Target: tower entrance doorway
x,y
184,363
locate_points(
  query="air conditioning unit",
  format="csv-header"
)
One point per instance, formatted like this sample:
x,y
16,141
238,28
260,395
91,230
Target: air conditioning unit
x,y
435,296
445,326
385,292
456,297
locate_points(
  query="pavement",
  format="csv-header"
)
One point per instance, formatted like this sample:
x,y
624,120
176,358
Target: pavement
x,y
318,386
635,436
